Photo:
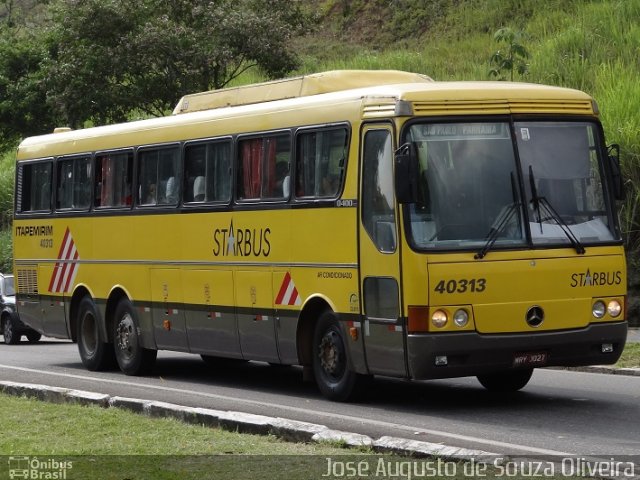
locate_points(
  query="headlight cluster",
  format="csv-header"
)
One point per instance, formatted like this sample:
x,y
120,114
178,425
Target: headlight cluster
x,y
424,319
600,308
440,318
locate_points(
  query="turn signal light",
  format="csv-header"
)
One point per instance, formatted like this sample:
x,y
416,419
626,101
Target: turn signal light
x,y
418,319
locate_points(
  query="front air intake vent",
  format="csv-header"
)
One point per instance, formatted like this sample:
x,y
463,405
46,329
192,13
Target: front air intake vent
x,y
27,277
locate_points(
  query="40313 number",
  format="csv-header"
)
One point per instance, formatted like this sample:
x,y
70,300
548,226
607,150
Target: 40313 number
x,y
461,286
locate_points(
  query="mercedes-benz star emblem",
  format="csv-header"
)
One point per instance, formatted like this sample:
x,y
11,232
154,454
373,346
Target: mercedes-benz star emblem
x,y
535,316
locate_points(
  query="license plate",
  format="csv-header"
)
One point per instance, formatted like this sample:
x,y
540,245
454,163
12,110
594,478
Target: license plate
x,y
532,359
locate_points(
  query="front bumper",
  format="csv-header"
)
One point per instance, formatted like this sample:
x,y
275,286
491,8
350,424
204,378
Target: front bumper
x,y
472,353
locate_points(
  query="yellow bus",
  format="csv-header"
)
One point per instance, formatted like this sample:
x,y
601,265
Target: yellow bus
x,y
356,223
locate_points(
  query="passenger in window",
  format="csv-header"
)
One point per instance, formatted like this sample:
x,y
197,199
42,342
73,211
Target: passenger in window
x,y
172,191
150,197
198,189
329,185
281,188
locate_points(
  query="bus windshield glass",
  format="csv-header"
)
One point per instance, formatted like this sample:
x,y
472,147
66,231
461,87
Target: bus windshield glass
x,y
469,189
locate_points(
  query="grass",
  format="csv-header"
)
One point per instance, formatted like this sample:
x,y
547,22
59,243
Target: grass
x,y
109,443
630,356
40,428
66,441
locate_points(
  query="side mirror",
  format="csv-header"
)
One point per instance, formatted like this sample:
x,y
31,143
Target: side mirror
x,y
613,155
406,174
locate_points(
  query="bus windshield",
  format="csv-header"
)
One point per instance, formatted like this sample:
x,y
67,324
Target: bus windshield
x,y
471,189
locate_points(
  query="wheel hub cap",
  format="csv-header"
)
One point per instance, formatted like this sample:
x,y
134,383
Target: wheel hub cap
x,y
329,354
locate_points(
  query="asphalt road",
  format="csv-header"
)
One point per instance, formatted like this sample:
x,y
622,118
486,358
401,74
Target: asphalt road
x,y
558,413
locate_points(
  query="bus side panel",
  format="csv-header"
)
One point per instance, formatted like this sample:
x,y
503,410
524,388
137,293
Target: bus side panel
x,y
30,312
167,309
210,314
54,323
287,314
256,323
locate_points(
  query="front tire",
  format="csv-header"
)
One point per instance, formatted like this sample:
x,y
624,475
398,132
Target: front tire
x,y
11,337
505,382
95,353
335,379
132,358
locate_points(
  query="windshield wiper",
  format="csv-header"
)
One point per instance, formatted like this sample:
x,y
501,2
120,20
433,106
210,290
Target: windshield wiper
x,y
501,221
539,202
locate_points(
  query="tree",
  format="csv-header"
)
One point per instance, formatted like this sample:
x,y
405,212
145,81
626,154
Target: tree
x,y
118,56
514,56
24,108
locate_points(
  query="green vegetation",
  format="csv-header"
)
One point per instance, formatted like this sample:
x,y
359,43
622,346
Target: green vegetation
x,y
80,430
630,356
7,172
77,442
512,59
121,444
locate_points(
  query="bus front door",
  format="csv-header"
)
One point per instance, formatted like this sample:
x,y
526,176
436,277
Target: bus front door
x,y
379,255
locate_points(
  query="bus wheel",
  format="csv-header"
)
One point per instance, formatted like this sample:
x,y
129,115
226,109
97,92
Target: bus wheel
x,y
95,354
132,358
330,365
506,381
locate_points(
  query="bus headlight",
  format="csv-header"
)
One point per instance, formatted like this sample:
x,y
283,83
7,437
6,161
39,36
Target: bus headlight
x,y
461,318
614,308
599,309
439,318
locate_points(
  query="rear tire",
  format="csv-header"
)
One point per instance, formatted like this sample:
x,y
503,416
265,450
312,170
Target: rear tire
x,y
504,382
331,369
132,358
33,337
95,353
9,332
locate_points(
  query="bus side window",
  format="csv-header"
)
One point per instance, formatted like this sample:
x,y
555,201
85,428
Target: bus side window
x,y
74,184
263,166
378,214
33,190
207,172
320,163
113,179
158,176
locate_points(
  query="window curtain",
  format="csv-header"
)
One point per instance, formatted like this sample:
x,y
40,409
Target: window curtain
x,y
251,156
270,166
106,198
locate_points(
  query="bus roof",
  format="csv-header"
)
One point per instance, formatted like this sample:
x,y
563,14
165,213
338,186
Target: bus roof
x,y
424,97
306,85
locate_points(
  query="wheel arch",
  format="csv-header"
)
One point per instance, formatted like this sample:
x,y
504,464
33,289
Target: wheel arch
x,y
82,291
309,315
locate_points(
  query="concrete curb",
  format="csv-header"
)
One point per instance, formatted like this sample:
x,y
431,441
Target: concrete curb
x,y
289,430
633,372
